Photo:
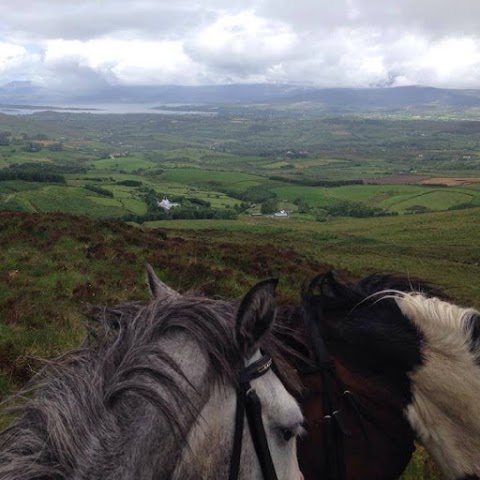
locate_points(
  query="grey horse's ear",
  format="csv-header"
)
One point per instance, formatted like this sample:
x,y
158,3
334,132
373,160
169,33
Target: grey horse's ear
x,y
256,315
158,289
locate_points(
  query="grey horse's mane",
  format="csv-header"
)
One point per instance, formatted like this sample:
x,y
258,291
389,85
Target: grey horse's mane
x,y
83,402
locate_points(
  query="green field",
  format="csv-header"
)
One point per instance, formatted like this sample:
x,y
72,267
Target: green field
x,y
233,180
396,198
127,164
236,162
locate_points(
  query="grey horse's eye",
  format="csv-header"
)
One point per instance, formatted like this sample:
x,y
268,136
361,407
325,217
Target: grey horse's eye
x,y
287,434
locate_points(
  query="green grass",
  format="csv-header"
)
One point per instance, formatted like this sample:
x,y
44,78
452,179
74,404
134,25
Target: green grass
x,y
441,247
391,197
436,200
72,200
126,164
233,180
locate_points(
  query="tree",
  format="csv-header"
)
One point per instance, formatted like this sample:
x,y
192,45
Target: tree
x,y
4,139
302,205
32,147
40,137
269,206
55,147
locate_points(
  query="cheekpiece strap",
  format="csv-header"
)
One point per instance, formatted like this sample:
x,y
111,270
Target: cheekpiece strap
x,y
248,403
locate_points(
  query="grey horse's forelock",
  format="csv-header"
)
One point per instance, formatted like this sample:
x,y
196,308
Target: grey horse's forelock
x,y
83,402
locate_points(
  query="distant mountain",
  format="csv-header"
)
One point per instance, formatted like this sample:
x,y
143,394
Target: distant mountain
x,y
338,99
391,98
167,94
20,92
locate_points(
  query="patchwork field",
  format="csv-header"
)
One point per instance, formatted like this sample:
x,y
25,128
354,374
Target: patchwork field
x,y
397,198
421,213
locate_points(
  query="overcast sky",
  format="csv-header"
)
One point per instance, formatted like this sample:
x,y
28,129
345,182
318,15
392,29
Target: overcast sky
x,y
332,43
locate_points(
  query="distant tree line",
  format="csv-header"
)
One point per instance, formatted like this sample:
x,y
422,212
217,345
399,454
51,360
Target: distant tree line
x,y
48,168
101,191
30,176
130,183
316,183
461,206
255,194
356,210
183,213
343,208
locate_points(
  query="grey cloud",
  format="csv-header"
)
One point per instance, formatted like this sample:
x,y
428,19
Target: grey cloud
x,y
341,43
92,19
430,17
74,77
174,19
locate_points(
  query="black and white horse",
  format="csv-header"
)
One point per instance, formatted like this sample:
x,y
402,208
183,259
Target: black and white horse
x,y
424,348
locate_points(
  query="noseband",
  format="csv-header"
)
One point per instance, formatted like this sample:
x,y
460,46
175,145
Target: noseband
x,y
248,403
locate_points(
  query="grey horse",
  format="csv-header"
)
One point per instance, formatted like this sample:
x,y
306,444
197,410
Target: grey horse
x,y
151,394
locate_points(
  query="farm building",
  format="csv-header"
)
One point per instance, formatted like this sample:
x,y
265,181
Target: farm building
x,y
166,204
281,214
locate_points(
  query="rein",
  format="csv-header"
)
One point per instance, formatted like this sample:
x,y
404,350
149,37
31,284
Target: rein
x,y
335,428
249,404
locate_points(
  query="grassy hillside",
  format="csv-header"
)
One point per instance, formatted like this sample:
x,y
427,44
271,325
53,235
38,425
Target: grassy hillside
x,y
441,247
54,264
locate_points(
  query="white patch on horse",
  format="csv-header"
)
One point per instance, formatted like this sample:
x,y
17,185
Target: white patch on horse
x,y
202,458
445,408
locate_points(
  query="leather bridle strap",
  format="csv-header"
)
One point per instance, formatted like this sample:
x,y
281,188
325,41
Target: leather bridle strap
x,y
248,403
334,427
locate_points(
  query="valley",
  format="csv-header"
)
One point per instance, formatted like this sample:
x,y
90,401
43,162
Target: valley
x,y
362,193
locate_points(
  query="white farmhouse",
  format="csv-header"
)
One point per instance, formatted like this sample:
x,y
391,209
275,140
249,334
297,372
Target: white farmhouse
x,y
166,204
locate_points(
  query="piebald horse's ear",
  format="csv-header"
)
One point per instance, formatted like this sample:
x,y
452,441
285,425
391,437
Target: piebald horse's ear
x,y
256,315
328,289
158,289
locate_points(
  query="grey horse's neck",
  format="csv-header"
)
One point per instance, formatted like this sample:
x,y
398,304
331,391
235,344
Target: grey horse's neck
x,y
145,442
86,422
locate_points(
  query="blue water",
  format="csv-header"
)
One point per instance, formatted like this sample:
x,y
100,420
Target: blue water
x,y
120,108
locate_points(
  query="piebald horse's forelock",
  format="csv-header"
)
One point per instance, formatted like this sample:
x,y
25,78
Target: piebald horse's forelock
x,y
119,365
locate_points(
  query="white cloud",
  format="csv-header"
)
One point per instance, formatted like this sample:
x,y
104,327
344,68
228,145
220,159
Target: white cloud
x,y
343,43
11,56
243,45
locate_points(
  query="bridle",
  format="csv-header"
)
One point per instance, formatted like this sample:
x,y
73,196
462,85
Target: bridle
x,y
333,422
249,404
335,429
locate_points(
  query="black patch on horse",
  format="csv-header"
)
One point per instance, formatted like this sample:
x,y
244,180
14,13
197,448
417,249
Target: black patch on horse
x,y
473,326
370,334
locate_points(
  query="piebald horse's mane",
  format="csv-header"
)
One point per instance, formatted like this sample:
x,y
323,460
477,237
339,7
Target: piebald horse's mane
x,y
334,291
